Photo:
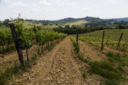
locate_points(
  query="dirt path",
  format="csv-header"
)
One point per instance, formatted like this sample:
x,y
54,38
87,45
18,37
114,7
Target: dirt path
x,y
90,52
57,67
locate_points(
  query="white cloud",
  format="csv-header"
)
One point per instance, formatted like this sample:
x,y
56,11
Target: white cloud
x,y
7,1
113,1
55,9
17,4
44,2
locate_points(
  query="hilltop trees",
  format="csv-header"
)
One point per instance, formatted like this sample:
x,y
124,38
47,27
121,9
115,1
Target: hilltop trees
x,y
75,28
5,22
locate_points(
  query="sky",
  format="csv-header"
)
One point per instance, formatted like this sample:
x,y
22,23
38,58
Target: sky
x,y
58,9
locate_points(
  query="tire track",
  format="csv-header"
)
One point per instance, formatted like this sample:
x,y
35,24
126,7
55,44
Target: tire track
x,y
57,67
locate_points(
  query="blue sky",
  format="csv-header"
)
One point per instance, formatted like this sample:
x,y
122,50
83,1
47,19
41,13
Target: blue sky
x,y
57,9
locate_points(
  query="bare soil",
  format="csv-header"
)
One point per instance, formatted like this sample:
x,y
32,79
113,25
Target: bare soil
x,y
8,59
60,67
91,52
57,67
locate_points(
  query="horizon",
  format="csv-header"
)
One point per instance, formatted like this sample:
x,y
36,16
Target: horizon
x,y
67,17
58,9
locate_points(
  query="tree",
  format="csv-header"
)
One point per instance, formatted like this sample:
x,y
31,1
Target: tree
x,y
5,22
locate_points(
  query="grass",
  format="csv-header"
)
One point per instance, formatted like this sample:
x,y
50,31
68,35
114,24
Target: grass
x,y
3,27
76,46
80,22
118,58
9,72
51,46
79,55
84,75
111,69
5,50
107,70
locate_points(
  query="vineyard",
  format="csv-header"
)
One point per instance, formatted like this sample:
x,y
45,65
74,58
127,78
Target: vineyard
x,y
35,39
63,42
112,44
33,55
111,40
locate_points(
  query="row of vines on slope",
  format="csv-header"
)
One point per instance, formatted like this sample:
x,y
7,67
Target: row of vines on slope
x,y
21,39
26,37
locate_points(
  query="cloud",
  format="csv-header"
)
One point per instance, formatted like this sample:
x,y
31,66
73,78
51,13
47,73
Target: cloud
x,y
17,4
7,1
114,1
44,2
55,9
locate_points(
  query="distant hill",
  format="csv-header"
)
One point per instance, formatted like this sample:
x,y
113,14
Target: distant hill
x,y
78,22
121,19
68,20
87,21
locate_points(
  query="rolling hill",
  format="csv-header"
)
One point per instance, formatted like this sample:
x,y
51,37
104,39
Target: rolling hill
x,y
122,19
87,21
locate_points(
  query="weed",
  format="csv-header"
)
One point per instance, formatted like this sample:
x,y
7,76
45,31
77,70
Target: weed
x,y
84,75
111,82
5,50
38,51
107,70
110,54
49,47
8,73
123,49
77,47
118,58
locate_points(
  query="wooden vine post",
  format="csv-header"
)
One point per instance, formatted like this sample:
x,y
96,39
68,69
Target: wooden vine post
x,y
102,43
16,41
118,45
27,54
77,37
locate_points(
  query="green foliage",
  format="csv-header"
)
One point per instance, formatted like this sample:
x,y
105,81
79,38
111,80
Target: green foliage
x,y
118,58
84,75
5,22
49,47
8,73
77,46
44,36
79,55
76,28
111,38
79,22
112,69
107,70
24,36
5,39
5,36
